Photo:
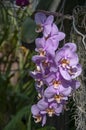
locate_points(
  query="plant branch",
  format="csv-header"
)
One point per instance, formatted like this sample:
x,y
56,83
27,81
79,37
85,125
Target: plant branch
x,y
56,14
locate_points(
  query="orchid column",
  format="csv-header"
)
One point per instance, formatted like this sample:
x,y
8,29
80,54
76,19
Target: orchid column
x,y
56,70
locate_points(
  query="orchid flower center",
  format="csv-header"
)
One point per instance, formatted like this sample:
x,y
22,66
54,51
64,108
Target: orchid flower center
x,y
37,118
65,62
42,52
50,111
45,63
39,83
56,83
58,98
39,28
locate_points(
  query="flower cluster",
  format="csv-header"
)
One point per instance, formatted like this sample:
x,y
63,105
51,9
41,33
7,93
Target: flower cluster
x,y
56,70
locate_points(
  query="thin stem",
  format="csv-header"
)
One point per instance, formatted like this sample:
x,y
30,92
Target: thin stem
x,y
77,31
56,14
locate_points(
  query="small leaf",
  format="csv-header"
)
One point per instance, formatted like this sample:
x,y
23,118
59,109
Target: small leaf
x,y
16,120
47,128
28,33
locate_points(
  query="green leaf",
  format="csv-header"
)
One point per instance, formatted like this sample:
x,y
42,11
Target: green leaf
x,y
15,123
47,128
28,33
29,123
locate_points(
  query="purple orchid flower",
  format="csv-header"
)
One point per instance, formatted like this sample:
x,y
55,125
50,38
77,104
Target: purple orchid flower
x,y
43,65
52,40
49,108
39,81
43,48
55,80
59,95
55,71
46,63
54,37
37,59
42,108
22,2
48,27
67,61
38,117
44,23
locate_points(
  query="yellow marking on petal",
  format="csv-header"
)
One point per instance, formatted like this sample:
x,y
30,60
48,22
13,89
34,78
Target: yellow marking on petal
x,y
58,98
56,83
65,62
42,52
50,111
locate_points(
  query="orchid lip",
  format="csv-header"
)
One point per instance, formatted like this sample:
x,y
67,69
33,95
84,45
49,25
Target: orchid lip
x,y
39,28
56,83
42,52
58,98
65,62
50,111
37,118
39,83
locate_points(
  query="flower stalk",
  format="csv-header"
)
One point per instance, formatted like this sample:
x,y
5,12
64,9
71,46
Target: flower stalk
x,y
57,70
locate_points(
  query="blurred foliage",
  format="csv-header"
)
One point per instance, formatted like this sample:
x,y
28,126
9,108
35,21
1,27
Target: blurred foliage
x,y
16,86
47,128
28,34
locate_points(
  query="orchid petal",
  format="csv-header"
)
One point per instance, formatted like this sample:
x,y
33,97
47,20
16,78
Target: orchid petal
x,y
42,105
35,110
40,18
